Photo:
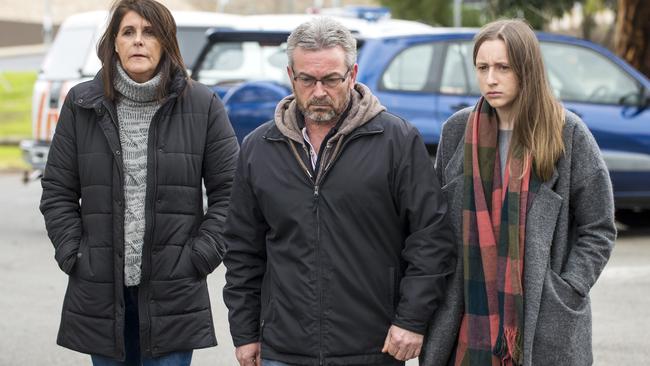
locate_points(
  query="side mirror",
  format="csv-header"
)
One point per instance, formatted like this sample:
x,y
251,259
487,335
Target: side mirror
x,y
639,100
635,104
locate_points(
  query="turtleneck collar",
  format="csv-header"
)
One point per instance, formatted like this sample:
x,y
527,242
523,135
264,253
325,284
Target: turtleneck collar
x,y
138,92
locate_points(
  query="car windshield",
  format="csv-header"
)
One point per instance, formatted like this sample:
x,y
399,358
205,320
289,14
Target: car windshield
x,y
68,54
231,62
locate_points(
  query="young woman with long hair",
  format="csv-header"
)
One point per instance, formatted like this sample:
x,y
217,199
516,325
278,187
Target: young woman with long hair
x,y
531,203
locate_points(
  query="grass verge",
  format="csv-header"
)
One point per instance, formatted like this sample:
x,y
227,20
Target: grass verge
x,y
16,104
15,116
11,158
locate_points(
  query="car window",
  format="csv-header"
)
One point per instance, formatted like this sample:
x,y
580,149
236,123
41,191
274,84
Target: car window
x,y
458,75
190,41
411,69
579,74
67,55
229,62
224,57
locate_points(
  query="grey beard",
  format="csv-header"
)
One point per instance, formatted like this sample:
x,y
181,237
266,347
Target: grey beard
x,y
321,117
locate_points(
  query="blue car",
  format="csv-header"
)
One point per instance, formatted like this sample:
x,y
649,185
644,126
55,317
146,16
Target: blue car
x,y
426,74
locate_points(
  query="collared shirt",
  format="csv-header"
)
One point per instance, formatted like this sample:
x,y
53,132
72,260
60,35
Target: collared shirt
x,y
313,154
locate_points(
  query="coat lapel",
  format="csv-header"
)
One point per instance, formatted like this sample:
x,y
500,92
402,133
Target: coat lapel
x,y
540,227
454,167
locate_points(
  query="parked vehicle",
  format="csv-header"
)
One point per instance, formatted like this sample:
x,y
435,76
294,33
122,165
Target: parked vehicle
x,y
425,74
246,65
72,59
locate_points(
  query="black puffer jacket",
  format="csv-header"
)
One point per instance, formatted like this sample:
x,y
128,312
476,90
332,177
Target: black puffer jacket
x,y
190,139
320,265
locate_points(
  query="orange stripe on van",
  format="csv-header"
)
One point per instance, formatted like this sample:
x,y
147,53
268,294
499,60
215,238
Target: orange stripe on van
x,y
52,124
41,107
52,117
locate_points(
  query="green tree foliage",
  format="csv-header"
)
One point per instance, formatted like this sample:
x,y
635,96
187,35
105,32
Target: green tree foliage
x,y
536,12
434,12
589,10
439,12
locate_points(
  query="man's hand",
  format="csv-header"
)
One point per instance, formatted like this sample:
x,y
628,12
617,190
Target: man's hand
x,y
402,344
249,354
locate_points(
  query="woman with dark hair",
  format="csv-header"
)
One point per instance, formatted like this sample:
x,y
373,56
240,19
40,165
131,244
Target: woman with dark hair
x,y
122,197
531,203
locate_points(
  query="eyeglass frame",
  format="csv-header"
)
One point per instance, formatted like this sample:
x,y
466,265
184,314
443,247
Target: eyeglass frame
x,y
323,81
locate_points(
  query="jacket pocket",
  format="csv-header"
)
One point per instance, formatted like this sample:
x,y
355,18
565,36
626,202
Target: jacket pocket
x,y
66,256
563,331
83,265
267,312
184,267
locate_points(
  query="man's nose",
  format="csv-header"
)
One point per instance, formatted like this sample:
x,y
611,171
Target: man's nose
x,y
319,89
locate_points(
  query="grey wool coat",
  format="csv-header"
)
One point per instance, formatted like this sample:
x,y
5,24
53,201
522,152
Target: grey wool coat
x,y
570,234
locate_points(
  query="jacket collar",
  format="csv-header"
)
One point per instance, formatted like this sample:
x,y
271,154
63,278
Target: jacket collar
x,y
92,96
272,132
364,106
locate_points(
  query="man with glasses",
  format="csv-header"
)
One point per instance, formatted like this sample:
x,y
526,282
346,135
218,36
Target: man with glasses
x,y
338,249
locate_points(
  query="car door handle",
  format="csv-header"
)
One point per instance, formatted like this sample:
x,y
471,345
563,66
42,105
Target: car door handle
x,y
459,106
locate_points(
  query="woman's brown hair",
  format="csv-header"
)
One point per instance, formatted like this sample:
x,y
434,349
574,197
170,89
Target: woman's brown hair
x,y
164,28
538,116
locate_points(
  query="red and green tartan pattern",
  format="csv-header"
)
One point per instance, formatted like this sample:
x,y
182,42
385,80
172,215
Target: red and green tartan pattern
x,y
494,221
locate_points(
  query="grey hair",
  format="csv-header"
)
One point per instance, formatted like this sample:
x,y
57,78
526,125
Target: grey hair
x,y
322,33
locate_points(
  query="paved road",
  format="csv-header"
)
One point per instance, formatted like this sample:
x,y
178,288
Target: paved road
x,y
32,288
26,58
21,63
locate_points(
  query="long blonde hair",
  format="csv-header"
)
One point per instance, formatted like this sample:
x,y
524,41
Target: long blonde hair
x,y
538,116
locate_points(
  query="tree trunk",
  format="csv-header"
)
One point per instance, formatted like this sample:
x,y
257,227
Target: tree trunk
x,y
633,33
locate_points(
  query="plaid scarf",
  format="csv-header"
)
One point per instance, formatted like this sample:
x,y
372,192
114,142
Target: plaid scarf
x,y
494,221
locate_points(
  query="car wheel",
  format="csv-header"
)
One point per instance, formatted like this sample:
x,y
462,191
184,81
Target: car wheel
x,y
633,218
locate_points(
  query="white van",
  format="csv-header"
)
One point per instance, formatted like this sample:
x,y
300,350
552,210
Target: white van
x,y
72,58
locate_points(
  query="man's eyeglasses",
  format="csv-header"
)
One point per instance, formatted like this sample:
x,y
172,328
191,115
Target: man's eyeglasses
x,y
307,81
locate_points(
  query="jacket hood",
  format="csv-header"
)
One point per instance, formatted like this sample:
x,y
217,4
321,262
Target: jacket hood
x,y
364,107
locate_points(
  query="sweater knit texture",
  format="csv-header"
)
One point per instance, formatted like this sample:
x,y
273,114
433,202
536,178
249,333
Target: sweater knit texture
x,y
136,106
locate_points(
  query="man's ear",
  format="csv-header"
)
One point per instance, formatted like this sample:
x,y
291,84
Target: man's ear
x,y
353,75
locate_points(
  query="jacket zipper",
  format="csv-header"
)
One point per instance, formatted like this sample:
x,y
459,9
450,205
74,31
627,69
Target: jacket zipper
x,y
316,182
319,178
319,277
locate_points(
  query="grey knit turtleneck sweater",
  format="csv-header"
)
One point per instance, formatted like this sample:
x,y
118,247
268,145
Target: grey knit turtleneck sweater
x,y
136,105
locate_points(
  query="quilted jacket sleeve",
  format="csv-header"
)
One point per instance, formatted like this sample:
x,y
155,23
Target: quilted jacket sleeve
x,y
61,190
219,161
